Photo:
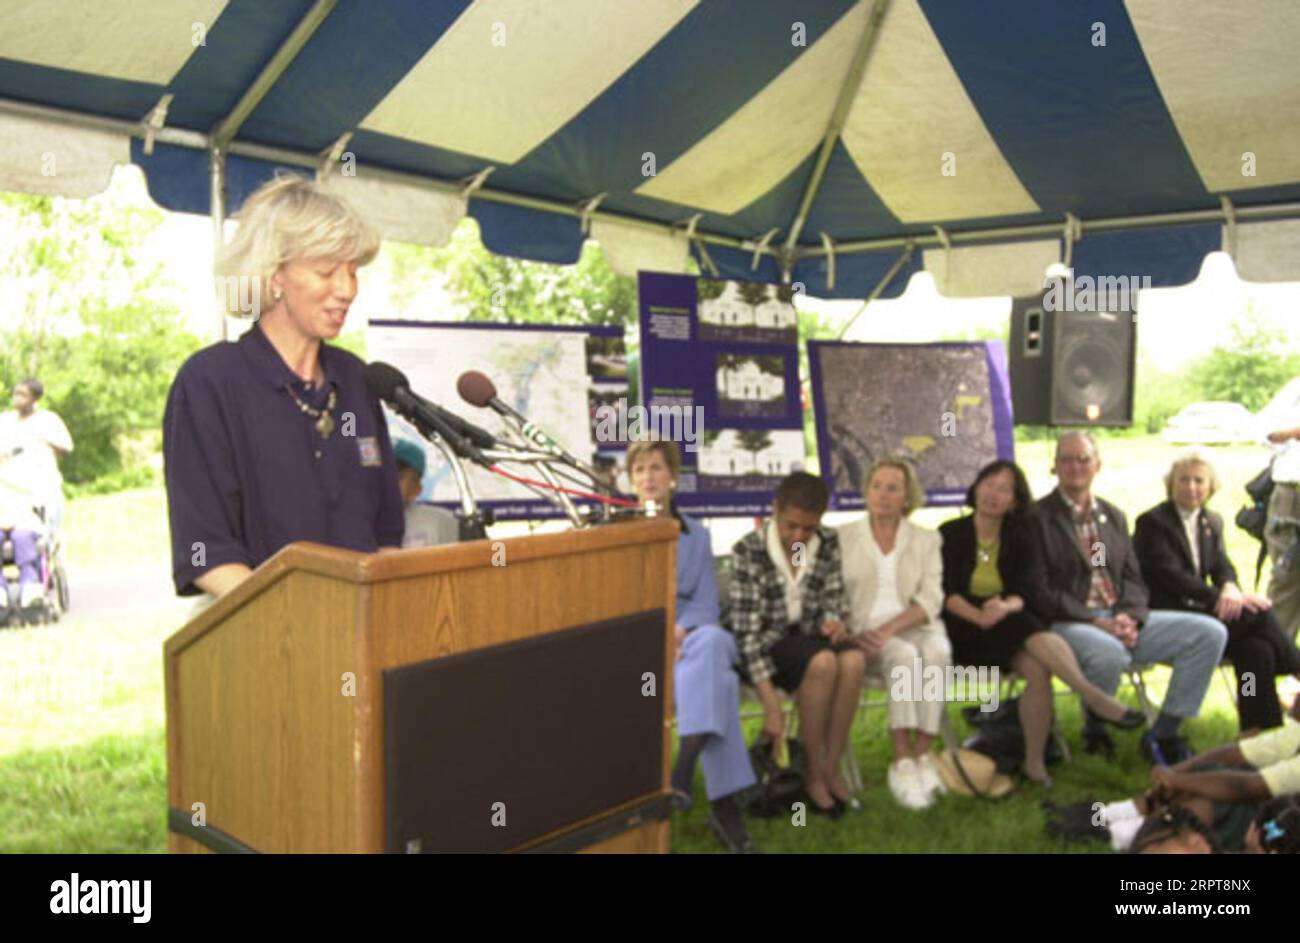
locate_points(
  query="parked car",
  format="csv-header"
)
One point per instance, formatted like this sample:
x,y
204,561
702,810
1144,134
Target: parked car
x,y
1212,424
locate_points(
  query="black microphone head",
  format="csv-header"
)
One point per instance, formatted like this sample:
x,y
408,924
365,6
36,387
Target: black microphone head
x,y
475,388
384,380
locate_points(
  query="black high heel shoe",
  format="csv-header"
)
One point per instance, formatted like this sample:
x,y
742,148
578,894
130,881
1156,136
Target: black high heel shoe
x,y
1132,719
833,812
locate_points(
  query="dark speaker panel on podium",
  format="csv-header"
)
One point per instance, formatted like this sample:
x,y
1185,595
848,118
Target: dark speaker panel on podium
x,y
1071,368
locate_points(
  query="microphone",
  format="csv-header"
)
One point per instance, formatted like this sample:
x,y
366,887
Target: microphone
x,y
478,390
390,385
476,434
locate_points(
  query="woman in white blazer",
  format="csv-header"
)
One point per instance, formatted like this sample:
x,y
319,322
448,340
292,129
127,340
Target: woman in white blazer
x,y
893,575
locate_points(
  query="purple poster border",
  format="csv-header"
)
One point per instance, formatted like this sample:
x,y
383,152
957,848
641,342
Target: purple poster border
x,y
686,367
999,394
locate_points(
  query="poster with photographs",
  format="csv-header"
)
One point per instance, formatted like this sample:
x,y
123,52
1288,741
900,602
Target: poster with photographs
x,y
945,406
607,394
720,376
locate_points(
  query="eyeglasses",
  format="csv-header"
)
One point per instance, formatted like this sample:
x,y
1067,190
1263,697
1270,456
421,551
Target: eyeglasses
x,y
1074,459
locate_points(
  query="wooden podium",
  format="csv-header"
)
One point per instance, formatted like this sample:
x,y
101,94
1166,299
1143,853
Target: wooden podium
x,y
506,695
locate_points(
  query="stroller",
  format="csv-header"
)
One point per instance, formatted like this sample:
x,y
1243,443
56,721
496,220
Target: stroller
x,y
54,598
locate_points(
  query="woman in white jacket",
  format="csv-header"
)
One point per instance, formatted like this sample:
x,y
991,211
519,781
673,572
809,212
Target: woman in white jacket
x,y
893,574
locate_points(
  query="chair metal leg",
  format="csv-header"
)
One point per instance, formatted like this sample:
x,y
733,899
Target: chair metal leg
x,y
948,731
1229,681
1144,700
849,768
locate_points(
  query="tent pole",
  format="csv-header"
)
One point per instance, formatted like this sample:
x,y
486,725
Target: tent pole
x,y
880,287
229,126
217,179
1258,213
196,140
848,91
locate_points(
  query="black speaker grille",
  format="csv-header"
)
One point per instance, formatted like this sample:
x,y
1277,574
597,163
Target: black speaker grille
x,y
1092,369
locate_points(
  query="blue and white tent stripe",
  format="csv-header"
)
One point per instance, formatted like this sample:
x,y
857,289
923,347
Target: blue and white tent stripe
x,y
968,116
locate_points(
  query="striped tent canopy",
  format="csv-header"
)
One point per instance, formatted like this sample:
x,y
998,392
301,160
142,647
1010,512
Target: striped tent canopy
x,y
840,144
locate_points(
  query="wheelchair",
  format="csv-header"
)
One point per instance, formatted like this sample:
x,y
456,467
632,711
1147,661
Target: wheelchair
x,y
55,595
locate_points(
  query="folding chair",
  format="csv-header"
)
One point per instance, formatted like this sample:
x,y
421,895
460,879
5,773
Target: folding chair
x,y
1135,674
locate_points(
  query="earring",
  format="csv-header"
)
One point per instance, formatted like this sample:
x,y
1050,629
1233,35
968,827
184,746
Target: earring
x,y
276,294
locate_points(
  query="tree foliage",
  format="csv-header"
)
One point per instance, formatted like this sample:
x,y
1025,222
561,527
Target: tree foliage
x,y
1250,368
91,321
706,289
499,288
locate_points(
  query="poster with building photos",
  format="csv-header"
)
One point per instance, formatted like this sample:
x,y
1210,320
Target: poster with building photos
x,y
720,376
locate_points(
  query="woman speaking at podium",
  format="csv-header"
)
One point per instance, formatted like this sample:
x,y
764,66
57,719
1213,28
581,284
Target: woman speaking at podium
x,y
274,438
707,689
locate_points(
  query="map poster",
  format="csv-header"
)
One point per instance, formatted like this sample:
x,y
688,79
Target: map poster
x,y
547,373
946,407
720,376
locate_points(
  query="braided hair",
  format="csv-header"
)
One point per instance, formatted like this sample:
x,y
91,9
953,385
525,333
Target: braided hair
x,y
1278,822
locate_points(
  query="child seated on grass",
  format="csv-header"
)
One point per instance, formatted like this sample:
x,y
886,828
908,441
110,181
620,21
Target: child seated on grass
x,y
1223,789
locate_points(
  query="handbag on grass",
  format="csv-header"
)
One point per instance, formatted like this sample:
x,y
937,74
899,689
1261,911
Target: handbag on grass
x,y
1000,738
778,787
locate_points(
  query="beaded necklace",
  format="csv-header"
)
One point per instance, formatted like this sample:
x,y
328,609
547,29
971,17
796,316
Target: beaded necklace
x,y
324,421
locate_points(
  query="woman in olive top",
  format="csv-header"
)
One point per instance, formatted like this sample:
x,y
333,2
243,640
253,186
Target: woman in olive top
x,y
992,574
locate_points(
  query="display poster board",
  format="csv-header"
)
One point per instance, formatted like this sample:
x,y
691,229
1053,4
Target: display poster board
x,y
720,376
555,375
944,406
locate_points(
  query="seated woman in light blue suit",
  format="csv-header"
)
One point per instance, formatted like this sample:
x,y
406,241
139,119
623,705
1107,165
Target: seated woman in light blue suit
x,y
707,688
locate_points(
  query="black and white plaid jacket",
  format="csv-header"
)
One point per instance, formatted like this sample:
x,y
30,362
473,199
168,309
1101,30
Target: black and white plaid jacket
x,y
759,617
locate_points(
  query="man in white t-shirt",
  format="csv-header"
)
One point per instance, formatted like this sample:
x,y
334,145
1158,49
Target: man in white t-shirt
x,y
426,526
32,440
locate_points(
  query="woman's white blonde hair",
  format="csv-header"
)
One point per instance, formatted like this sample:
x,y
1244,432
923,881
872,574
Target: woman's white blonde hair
x,y
288,219
914,493
1188,459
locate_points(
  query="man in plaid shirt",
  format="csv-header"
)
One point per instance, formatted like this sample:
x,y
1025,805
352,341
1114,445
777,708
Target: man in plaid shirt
x,y
1097,601
787,613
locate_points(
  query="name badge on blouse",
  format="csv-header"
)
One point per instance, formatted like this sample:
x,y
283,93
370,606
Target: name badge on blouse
x,y
369,447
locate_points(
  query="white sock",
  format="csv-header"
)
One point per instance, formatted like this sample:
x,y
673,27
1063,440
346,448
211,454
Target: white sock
x,y
1119,811
1122,832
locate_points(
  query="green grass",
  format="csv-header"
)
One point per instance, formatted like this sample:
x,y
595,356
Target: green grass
x,y
82,749
82,753
118,530
959,824
108,795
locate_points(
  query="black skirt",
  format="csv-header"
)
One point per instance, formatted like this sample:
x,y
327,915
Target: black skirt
x,y
792,654
972,645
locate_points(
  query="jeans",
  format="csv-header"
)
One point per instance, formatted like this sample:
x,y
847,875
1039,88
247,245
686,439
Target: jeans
x,y
1189,641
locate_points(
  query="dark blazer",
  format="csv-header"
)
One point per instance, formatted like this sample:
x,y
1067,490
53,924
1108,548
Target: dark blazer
x,y
1069,571
1160,541
1019,562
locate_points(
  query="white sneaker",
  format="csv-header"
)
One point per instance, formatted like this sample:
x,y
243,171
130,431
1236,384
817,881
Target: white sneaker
x,y
905,784
31,594
928,770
